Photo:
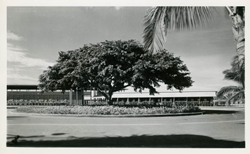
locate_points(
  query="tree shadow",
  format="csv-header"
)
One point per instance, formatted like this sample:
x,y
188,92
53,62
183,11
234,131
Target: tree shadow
x,y
20,137
14,117
55,134
219,112
156,141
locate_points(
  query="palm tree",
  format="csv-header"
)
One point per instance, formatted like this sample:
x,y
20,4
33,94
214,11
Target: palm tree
x,y
160,19
237,74
231,93
237,71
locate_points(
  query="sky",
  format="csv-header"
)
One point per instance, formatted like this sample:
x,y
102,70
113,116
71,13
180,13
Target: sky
x,y
35,35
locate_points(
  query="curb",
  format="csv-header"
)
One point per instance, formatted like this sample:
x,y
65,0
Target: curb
x,y
144,115
12,107
111,116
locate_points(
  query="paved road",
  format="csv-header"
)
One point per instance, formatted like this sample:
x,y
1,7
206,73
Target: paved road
x,y
223,128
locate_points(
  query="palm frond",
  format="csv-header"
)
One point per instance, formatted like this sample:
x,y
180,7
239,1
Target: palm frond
x,y
229,89
188,17
160,19
234,76
238,62
154,34
239,95
237,71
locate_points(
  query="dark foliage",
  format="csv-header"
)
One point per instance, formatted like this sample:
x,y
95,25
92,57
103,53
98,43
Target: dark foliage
x,y
112,66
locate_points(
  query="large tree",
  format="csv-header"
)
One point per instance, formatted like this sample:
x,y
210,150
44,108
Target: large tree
x,y
112,66
160,19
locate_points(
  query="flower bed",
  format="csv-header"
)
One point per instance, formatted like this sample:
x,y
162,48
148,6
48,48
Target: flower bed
x,y
105,110
50,102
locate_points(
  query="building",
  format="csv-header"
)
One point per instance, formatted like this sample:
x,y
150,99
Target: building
x,y
31,92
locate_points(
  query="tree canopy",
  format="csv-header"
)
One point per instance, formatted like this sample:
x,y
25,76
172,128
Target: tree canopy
x,y
111,66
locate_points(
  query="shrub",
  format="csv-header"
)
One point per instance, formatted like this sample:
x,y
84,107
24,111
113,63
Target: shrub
x,y
180,104
96,103
37,102
104,110
10,102
133,103
167,103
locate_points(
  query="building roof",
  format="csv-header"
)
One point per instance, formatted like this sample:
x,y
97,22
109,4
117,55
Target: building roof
x,y
23,87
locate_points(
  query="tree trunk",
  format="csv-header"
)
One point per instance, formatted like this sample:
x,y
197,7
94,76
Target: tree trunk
x,y
77,101
70,97
110,102
227,103
79,96
239,33
108,97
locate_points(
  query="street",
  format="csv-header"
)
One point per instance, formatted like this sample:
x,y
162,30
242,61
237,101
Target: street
x,y
212,129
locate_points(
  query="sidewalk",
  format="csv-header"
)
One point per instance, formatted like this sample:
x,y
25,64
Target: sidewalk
x,y
224,108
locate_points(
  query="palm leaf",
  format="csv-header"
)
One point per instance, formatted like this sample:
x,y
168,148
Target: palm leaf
x,y
153,32
160,19
239,95
228,89
237,71
234,76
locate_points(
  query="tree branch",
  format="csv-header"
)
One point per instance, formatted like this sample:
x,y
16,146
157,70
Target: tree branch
x,y
103,93
119,88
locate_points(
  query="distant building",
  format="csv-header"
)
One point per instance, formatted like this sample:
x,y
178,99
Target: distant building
x,y
204,98
31,92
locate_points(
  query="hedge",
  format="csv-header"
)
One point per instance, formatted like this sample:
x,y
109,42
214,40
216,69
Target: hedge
x,y
105,110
